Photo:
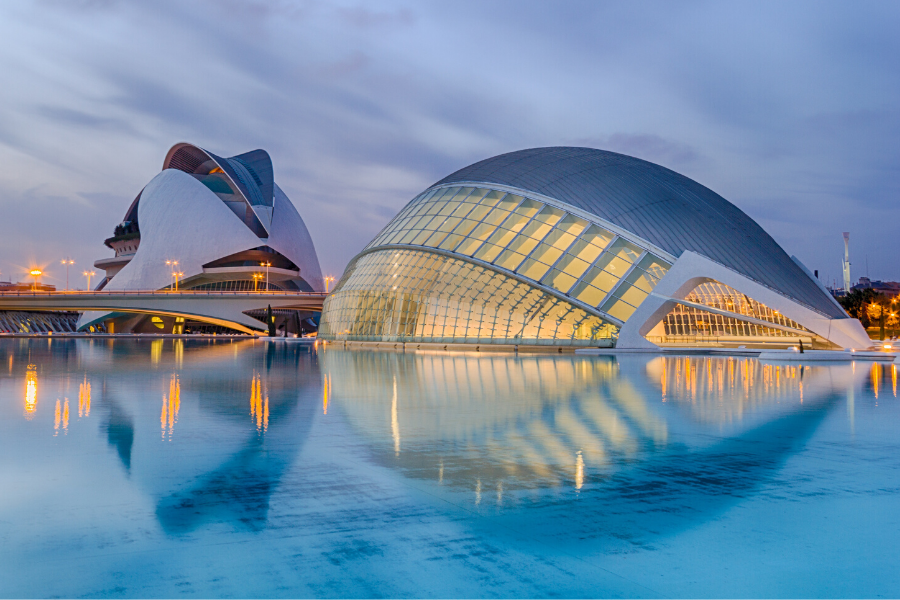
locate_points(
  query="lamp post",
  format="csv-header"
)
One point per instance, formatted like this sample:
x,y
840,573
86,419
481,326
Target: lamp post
x,y
266,264
88,275
328,281
35,273
67,262
176,275
174,265
256,278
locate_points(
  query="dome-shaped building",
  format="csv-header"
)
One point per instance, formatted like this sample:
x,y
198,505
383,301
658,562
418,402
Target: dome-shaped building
x,y
213,221
579,247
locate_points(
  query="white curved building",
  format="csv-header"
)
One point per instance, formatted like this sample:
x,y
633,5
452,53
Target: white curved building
x,y
580,247
219,219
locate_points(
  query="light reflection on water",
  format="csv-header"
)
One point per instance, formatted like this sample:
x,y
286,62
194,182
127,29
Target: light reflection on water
x,y
600,453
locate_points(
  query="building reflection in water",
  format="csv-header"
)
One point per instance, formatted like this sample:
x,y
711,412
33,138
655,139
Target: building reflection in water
x,y
475,421
171,405
31,386
61,416
259,407
722,389
513,421
84,398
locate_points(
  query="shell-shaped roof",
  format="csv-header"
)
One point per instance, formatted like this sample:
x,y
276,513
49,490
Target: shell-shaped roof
x,y
667,209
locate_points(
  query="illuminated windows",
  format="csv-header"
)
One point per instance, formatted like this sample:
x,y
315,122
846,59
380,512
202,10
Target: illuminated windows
x,y
409,296
532,239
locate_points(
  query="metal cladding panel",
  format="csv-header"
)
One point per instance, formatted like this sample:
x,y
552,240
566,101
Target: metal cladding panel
x,y
291,238
259,164
657,204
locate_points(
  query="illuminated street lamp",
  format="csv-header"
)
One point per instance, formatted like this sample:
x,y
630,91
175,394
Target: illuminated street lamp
x,y
174,265
35,273
176,275
266,264
88,275
256,278
67,262
328,281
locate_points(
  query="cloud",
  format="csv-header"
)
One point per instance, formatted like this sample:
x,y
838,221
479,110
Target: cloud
x,y
786,110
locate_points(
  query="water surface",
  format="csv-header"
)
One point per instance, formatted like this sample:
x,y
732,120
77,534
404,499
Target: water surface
x,y
245,468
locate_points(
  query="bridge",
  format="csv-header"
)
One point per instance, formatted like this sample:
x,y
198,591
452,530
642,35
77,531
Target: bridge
x,y
218,308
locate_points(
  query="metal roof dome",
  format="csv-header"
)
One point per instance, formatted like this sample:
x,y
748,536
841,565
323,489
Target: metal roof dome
x,y
667,209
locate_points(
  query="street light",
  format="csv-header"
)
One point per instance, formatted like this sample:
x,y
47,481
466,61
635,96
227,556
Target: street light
x,y
35,273
67,262
256,278
266,264
328,281
176,275
174,265
88,275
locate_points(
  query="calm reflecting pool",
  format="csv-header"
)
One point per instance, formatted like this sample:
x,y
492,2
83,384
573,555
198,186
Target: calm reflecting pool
x,y
246,468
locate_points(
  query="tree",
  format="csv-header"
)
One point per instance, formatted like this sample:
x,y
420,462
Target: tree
x,y
857,302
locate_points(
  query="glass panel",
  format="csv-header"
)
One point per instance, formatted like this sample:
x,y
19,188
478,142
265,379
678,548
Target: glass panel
x,y
492,198
488,252
631,294
468,246
589,294
601,279
510,260
546,254
618,309
462,193
625,250
529,207
407,236
533,269
559,239
463,209
450,242
572,266
655,267
501,237
550,215
573,225
448,208
585,251
496,216
449,224
420,237
476,195
523,244
435,238
559,280
613,264
509,202
465,227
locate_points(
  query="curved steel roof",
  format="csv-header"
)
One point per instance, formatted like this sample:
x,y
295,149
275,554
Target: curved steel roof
x,y
657,204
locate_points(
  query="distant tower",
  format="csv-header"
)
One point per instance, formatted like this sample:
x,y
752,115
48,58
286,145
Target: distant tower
x,y
846,262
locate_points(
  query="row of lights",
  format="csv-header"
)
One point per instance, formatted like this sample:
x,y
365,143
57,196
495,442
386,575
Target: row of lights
x,y
36,273
173,264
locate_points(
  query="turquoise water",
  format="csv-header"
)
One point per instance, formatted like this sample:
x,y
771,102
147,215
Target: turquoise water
x,y
245,468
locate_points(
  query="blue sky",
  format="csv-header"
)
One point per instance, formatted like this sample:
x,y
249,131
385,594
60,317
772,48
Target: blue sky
x,y
789,110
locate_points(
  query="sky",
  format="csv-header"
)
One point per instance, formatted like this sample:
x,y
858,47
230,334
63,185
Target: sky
x,y
791,111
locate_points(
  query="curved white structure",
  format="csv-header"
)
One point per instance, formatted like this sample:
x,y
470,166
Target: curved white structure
x,y
580,247
215,222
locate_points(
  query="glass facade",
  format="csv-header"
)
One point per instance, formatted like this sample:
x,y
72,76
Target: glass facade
x,y
690,321
408,295
532,239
